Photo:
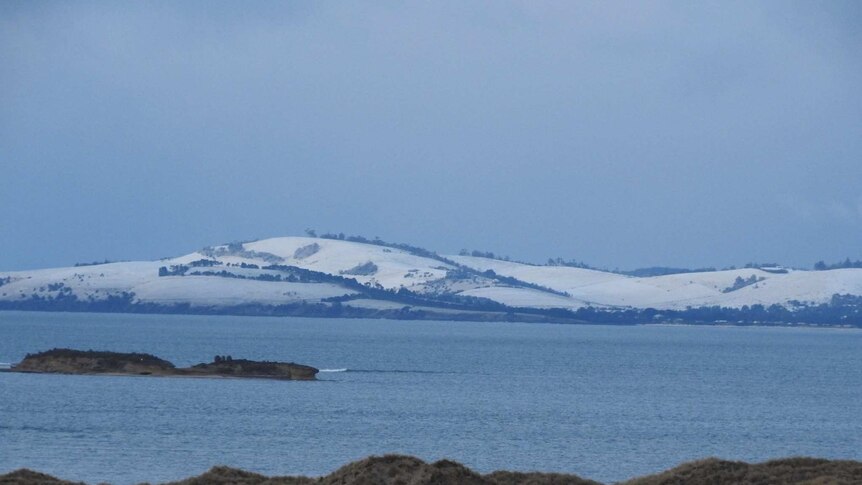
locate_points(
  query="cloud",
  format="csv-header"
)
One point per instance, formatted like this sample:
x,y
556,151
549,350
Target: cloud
x,y
528,128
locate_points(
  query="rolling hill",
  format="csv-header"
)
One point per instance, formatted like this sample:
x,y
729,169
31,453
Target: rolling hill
x,y
361,278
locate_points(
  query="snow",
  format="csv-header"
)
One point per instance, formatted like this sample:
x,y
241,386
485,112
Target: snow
x,y
677,291
96,281
215,291
666,292
375,304
561,278
524,297
803,286
336,256
141,278
397,268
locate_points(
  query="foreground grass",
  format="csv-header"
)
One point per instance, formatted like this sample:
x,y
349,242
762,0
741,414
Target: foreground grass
x,y
407,470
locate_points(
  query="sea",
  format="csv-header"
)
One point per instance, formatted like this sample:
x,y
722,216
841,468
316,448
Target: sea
x,y
604,402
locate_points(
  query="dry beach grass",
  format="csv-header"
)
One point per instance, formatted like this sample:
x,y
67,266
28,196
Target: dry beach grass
x,y
408,470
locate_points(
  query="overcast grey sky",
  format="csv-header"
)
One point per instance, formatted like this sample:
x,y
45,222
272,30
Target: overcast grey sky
x,y
622,134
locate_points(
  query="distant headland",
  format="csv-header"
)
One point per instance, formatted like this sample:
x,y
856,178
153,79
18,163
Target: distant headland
x,y
90,362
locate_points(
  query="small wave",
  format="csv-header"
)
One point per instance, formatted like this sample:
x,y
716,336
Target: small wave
x,y
397,371
333,370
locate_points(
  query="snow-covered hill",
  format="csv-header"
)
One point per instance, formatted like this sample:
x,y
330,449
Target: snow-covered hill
x,y
371,275
678,291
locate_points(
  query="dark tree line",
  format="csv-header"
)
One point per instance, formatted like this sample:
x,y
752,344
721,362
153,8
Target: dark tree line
x,y
821,266
741,282
840,310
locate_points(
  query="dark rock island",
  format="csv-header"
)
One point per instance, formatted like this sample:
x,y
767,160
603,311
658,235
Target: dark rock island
x,y
68,361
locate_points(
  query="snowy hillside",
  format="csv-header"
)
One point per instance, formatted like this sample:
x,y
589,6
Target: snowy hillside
x,y
679,291
303,274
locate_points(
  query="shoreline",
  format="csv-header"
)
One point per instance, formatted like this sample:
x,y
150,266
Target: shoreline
x,y
467,316
11,370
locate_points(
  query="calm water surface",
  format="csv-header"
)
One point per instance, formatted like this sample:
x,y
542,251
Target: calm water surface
x,y
604,402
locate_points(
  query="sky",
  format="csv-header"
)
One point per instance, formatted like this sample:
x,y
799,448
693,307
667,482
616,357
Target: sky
x,y
621,134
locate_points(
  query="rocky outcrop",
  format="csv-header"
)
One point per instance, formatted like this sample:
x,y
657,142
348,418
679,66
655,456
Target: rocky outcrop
x,y
68,361
250,368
